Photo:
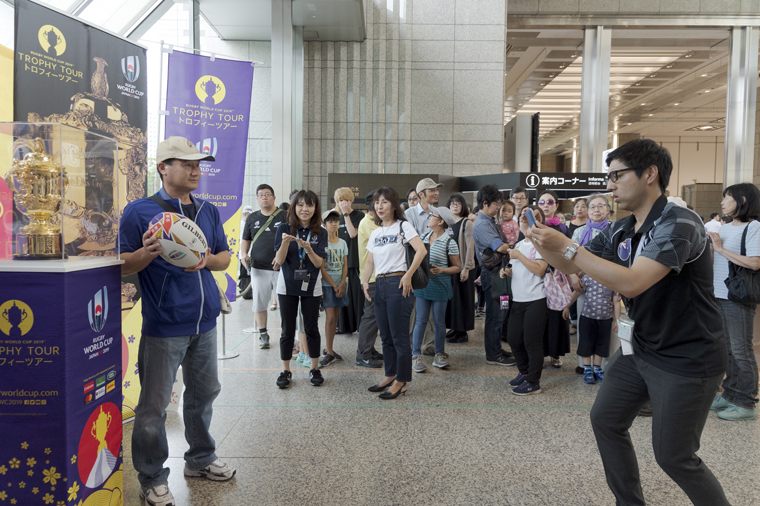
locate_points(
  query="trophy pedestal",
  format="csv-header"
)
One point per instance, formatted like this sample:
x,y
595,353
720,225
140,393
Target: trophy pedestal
x,y
38,247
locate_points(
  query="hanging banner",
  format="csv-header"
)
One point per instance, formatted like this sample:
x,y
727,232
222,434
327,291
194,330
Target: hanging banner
x,y
66,71
209,103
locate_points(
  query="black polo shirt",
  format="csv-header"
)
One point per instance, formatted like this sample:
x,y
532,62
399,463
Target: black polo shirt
x,y
293,260
356,217
262,251
678,324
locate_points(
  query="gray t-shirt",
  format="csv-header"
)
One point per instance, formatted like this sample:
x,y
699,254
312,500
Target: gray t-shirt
x,y
731,237
336,254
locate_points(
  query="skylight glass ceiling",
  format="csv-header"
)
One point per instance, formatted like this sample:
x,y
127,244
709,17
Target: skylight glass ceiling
x,y
114,15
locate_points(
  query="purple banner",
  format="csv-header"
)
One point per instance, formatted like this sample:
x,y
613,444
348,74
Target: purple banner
x,y
209,102
61,370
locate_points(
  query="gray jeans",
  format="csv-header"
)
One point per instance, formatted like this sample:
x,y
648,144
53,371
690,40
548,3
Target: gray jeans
x,y
740,384
679,410
367,327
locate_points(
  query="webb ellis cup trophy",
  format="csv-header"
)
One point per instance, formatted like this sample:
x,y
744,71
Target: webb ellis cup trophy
x,y
36,184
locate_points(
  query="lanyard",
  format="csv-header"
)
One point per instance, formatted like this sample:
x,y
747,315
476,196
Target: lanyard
x,y
301,251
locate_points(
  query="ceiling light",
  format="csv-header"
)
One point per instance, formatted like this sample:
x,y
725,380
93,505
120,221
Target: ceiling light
x,y
643,104
561,66
688,56
629,124
653,75
551,75
543,84
638,84
669,66
704,75
707,91
651,114
677,103
625,91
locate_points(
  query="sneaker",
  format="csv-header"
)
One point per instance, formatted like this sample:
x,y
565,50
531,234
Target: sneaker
x,y
264,341
736,413
501,360
719,403
300,357
376,354
283,380
588,376
216,470
316,377
527,389
307,362
371,363
598,374
157,495
646,410
458,338
326,360
335,355
441,360
417,365
518,380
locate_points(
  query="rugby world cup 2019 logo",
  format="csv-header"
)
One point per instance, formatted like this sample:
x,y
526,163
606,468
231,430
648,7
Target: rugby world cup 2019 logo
x,y
51,40
130,67
97,309
210,90
207,146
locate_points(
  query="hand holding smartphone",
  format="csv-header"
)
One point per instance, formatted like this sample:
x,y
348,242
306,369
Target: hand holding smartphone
x,y
530,217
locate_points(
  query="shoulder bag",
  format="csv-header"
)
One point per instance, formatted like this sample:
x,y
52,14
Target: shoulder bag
x,y
493,259
743,284
558,289
421,276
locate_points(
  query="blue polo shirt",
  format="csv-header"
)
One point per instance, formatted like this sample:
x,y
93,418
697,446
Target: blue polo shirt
x,y
287,284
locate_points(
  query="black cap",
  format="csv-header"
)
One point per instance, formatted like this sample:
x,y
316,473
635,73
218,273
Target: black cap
x,y
369,197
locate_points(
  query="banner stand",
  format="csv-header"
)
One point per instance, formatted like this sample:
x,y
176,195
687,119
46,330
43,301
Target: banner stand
x,y
224,355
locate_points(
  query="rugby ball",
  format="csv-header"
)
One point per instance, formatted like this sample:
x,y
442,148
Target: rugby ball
x,y
182,241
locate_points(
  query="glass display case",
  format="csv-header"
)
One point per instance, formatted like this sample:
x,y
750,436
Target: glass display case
x,y
59,195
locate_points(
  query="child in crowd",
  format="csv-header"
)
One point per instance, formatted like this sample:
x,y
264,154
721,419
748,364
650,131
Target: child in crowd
x,y
528,311
509,226
334,275
595,325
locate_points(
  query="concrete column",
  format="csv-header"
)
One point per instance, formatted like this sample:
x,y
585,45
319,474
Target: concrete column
x,y
741,105
595,91
282,97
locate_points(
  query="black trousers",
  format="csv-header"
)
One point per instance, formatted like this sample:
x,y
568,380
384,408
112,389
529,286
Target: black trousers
x,y
289,316
525,336
350,316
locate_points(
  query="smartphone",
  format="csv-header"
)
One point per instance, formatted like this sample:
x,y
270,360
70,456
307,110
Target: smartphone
x,y
530,217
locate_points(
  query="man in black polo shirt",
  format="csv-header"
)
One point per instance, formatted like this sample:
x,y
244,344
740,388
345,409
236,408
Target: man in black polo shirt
x,y
659,260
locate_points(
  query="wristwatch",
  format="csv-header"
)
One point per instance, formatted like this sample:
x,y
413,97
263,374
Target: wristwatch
x,y
571,250
346,214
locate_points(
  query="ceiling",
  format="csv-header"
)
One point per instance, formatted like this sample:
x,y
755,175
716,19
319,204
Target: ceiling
x,y
662,82
328,20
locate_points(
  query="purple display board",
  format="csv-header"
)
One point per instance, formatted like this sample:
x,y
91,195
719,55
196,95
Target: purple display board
x,y
60,387
209,103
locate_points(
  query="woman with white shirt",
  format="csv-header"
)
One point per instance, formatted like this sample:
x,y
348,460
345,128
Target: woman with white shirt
x,y
740,386
528,313
394,300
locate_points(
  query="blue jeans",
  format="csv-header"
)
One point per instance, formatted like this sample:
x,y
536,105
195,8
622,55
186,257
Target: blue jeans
x,y
392,312
494,319
158,361
439,319
740,384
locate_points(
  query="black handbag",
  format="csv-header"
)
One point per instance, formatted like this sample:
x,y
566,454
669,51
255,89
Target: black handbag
x,y
493,259
421,276
743,284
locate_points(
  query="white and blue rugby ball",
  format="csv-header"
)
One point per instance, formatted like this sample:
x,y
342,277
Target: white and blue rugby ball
x,y
182,241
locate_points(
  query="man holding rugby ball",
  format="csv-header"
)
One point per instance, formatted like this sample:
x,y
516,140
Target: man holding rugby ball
x,y
179,311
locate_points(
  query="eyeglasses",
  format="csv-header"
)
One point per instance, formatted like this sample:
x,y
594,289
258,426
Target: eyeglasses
x,y
265,196
615,174
547,202
413,199
520,198
600,206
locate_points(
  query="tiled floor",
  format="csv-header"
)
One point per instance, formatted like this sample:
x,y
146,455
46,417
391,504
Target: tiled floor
x,y
458,437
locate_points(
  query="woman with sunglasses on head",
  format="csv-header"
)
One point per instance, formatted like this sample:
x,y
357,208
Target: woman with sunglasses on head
x,y
557,335
394,300
460,312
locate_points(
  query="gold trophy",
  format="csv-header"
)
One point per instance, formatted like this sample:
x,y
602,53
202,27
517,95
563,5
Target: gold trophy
x,y
36,185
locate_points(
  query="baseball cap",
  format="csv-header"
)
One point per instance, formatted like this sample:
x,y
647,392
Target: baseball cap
x,y
369,197
180,148
248,209
427,184
445,215
328,213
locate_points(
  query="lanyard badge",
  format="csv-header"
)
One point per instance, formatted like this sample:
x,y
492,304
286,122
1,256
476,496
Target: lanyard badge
x,y
302,274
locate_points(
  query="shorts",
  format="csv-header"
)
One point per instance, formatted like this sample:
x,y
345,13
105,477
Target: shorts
x,y
262,284
329,299
594,337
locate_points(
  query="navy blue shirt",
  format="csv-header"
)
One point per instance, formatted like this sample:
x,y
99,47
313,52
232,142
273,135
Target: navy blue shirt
x,y
293,261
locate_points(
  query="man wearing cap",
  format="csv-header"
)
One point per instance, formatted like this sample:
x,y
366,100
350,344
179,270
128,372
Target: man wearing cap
x,y
179,311
366,355
258,247
418,216
244,279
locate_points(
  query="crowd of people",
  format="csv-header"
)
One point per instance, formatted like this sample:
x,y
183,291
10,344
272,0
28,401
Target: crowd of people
x,y
410,272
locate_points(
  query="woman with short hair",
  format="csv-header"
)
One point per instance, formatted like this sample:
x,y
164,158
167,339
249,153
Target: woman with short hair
x,y
740,387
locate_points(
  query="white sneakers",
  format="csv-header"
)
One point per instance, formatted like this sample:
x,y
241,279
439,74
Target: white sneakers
x,y
217,471
157,495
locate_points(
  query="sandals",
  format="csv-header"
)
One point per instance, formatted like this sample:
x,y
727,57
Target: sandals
x,y
273,307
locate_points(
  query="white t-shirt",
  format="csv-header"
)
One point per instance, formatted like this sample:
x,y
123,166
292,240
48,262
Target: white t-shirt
x,y
731,237
713,226
386,248
526,286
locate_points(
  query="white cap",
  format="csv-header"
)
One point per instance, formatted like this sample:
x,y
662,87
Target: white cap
x,y
179,148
